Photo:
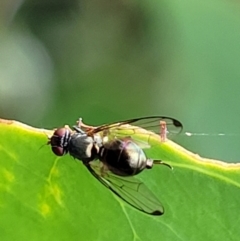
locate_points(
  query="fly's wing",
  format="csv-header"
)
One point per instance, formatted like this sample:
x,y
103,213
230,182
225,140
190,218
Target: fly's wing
x,y
130,189
139,130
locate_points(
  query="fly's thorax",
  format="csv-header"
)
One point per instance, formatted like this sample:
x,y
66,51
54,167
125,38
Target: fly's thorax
x,y
123,157
83,147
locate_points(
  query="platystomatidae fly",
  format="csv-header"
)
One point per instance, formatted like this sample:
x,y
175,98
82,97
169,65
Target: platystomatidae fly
x,y
114,154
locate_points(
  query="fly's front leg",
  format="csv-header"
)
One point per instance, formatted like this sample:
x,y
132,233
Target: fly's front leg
x,y
81,125
163,131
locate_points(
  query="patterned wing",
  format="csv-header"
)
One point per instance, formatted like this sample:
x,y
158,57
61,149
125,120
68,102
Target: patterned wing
x,y
140,130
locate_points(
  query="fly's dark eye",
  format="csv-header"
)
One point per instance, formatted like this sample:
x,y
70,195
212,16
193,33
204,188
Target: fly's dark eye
x,y
59,141
59,151
60,132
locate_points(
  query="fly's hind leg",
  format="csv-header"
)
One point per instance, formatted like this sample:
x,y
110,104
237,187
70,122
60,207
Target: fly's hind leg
x,y
103,170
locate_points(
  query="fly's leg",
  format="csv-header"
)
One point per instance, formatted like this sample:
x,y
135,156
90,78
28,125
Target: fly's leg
x,y
103,170
87,127
163,131
81,125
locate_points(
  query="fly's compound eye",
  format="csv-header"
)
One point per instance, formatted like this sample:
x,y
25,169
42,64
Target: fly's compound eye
x,y
59,141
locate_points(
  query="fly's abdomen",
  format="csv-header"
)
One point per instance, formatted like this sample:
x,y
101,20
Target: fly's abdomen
x,y
123,157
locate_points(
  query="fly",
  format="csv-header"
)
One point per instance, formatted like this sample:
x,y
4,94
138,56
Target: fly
x,y
114,154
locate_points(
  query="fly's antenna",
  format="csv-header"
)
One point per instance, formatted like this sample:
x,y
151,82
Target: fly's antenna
x,y
48,137
43,146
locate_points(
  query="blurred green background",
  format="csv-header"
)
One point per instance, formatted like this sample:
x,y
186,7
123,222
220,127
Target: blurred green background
x,y
111,60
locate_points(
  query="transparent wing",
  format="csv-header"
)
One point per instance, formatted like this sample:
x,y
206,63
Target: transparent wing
x,y
139,130
130,189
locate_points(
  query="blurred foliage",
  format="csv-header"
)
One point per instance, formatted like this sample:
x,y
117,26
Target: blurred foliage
x,y
109,60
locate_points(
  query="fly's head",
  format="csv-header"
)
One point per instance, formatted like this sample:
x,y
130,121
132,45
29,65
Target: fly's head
x,y
59,141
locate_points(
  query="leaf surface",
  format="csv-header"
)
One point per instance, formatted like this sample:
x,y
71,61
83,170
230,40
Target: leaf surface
x,y
44,197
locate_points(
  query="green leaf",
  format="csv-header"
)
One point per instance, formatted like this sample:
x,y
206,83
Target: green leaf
x,y
43,197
